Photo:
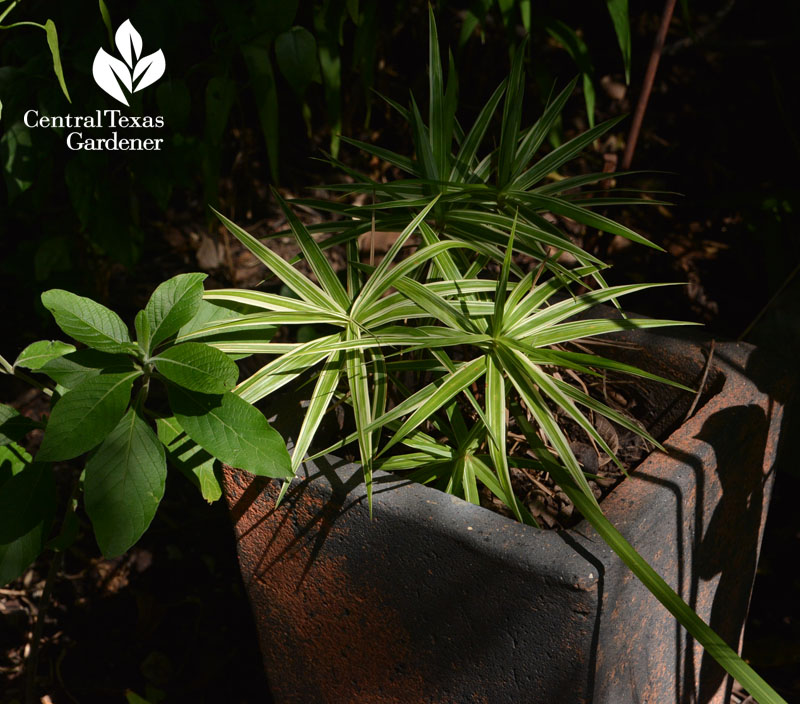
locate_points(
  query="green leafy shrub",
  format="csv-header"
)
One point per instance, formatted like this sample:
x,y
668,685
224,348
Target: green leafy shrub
x,y
100,406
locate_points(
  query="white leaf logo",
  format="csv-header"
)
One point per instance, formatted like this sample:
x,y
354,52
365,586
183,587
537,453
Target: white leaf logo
x,y
112,75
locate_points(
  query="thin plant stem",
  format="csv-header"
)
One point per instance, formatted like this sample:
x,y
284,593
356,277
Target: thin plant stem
x,y
32,661
9,368
8,10
702,382
6,365
647,84
772,300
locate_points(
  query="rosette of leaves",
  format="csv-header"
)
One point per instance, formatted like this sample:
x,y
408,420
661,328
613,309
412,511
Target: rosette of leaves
x,y
510,331
100,409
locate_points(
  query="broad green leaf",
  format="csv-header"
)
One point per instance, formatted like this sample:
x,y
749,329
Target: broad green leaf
x,y
16,153
265,92
296,52
220,94
274,17
68,531
13,459
16,556
13,425
27,498
37,354
27,492
198,367
75,367
143,333
87,321
84,416
173,304
330,67
231,430
191,460
208,313
124,484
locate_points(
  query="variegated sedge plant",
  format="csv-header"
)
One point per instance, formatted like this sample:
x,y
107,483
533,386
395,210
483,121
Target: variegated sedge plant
x,y
508,337
439,313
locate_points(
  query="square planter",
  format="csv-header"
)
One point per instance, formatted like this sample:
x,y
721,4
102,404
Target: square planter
x,y
437,600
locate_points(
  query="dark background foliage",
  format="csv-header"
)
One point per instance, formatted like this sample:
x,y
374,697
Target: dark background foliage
x,y
171,617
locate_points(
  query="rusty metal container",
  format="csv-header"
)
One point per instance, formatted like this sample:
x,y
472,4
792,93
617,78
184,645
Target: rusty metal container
x,y
436,600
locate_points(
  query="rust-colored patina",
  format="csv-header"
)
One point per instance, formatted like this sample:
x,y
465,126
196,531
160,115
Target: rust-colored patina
x,y
439,601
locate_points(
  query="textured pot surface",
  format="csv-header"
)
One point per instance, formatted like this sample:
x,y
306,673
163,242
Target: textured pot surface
x,y
436,600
